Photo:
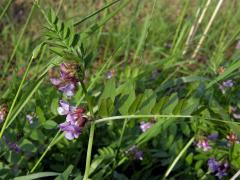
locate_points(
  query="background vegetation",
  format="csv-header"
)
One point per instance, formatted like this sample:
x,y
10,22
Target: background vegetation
x,y
173,64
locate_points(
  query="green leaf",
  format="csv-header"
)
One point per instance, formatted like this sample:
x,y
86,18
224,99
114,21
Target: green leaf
x,y
40,115
106,107
170,105
54,106
109,90
65,175
36,176
27,146
147,103
50,124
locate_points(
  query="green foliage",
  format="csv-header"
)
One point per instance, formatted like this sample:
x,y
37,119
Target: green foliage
x,y
152,78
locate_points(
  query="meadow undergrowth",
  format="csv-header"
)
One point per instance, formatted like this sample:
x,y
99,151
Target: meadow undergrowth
x,y
119,89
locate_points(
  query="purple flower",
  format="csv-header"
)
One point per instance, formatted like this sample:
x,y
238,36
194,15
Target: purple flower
x,y
110,74
213,165
67,81
68,89
14,147
232,138
135,153
29,118
228,83
71,130
75,120
213,136
235,113
203,144
219,169
144,126
64,108
11,145
222,170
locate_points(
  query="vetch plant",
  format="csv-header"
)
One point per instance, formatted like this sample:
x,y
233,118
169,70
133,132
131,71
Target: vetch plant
x,y
124,88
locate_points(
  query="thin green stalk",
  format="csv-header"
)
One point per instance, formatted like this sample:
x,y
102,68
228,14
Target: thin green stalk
x,y
91,135
15,98
95,13
5,9
52,143
178,157
59,6
119,144
160,116
199,45
89,151
18,41
19,109
140,116
180,22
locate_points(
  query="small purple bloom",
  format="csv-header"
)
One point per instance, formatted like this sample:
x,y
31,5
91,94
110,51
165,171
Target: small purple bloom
x,y
70,129
144,126
232,138
236,116
64,108
222,170
203,144
235,113
213,136
213,165
55,81
14,147
68,89
228,83
110,74
135,152
67,80
11,145
219,169
75,120
29,118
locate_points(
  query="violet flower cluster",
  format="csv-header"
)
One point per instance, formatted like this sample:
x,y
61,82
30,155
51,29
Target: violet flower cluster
x,y
110,74
225,85
204,144
11,145
75,120
232,138
144,126
135,152
67,80
235,113
218,168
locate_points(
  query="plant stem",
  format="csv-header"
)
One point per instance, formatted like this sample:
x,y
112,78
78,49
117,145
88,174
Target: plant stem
x,y
15,98
46,150
5,9
141,116
178,157
119,144
91,135
207,29
89,151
